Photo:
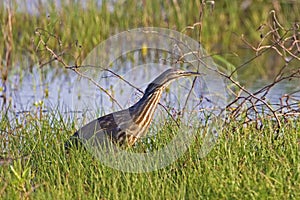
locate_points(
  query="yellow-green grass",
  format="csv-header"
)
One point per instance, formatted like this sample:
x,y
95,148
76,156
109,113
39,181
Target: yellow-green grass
x,y
245,163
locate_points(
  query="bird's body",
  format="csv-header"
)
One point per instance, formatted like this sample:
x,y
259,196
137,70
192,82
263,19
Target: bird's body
x,y
125,127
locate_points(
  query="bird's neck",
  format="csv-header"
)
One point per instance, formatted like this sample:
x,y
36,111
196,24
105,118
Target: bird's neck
x,y
145,108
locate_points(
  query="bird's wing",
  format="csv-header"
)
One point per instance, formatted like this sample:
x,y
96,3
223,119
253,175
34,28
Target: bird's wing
x,y
109,128
101,126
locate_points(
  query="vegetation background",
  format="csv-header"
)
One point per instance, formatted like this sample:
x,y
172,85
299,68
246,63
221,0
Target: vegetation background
x,y
247,162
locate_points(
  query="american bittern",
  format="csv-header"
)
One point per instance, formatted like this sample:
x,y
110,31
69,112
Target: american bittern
x,y
128,125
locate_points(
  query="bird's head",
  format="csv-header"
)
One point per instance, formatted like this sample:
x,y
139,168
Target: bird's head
x,y
165,78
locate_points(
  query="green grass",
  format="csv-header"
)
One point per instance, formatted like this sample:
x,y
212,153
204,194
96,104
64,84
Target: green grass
x,y
245,163
221,29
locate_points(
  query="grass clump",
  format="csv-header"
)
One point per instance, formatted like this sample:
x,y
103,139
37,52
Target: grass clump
x,y
245,162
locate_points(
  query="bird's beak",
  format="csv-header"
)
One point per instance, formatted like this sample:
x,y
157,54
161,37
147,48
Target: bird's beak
x,y
189,73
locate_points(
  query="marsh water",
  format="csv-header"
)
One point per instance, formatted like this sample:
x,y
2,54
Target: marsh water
x,y
49,89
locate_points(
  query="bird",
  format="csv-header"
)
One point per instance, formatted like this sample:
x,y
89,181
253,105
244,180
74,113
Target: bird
x,y
126,126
